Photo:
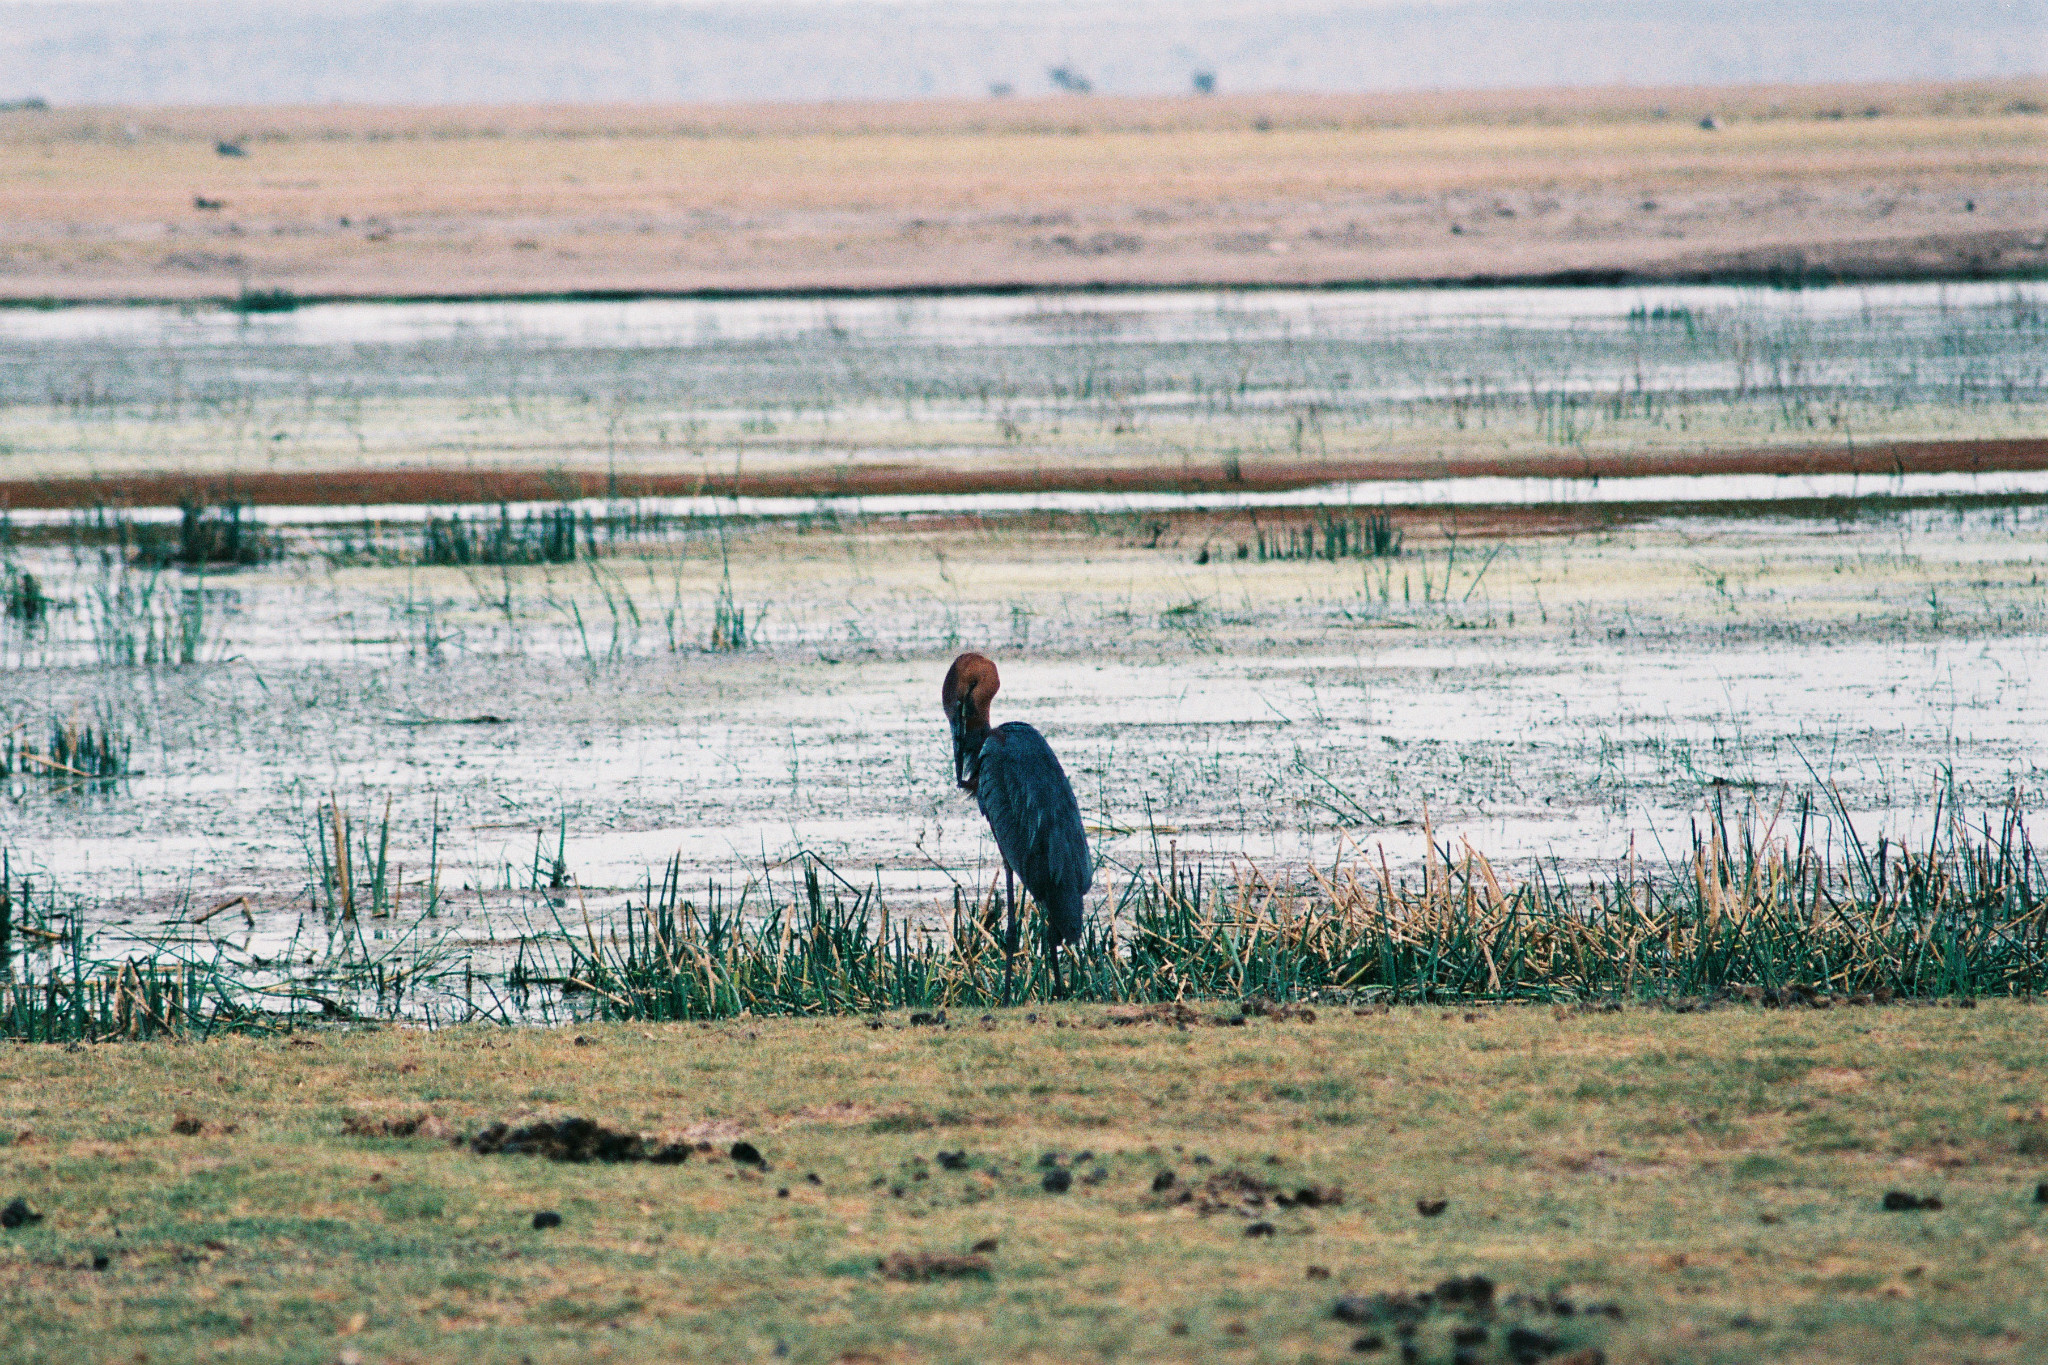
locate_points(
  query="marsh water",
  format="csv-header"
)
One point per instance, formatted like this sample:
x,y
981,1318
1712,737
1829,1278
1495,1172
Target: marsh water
x,y
1026,381
547,735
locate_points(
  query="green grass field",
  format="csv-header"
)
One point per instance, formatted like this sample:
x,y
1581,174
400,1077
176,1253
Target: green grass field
x,y
1717,1178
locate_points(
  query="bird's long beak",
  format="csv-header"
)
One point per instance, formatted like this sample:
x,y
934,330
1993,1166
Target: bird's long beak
x,y
965,753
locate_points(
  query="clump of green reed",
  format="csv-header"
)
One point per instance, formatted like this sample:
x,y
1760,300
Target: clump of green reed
x,y
1797,907
74,752
1750,907
134,623
55,987
61,981
207,537
544,537
1330,537
22,597
350,870
251,301
731,627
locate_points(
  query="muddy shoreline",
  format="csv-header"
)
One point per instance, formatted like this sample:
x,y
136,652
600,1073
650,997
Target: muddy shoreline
x,y
2019,256
350,487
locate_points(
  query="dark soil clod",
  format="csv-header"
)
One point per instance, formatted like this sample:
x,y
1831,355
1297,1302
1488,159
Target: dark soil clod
x,y
1164,1181
1430,1208
578,1140
1371,1341
746,1153
916,1266
1260,1230
1318,1272
1058,1181
422,1124
99,1260
2041,1193
1526,1346
188,1126
1472,1291
1363,1310
18,1214
985,1246
1899,1201
547,1218
953,1161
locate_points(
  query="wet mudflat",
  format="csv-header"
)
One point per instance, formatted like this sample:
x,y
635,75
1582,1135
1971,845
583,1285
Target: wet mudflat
x,y
1178,388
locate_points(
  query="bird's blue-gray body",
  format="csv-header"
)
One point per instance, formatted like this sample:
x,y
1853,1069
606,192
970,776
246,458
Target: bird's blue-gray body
x,y
1037,823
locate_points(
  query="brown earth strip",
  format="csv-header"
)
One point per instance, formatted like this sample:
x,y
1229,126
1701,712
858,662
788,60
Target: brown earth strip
x,y
1777,184
342,488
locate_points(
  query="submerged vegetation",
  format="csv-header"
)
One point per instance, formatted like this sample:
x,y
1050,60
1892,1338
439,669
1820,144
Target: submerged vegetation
x,y
1786,909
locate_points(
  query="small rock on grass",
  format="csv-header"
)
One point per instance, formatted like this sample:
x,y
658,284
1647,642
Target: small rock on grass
x,y
547,1218
1058,1181
1260,1229
1430,1208
18,1214
746,1153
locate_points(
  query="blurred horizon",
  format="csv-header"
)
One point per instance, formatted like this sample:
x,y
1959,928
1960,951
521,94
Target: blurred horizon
x,y
432,52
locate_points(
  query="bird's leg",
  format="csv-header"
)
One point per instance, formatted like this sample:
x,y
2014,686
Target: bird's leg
x,y
1052,946
1009,929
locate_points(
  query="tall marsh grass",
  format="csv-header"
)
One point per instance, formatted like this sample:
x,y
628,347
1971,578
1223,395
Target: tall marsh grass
x,y
1808,912
1783,908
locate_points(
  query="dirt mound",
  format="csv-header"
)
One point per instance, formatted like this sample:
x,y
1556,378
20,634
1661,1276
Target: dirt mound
x,y
916,1266
575,1139
423,1124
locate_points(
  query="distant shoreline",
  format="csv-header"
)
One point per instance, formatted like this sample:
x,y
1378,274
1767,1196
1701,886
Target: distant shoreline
x,y
1777,186
1967,265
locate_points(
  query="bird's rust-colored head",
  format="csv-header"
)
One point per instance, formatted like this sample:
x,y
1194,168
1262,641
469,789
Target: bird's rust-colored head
x,y
971,684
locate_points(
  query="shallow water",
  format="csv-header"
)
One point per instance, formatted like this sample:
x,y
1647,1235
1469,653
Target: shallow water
x,y
1204,351
1561,700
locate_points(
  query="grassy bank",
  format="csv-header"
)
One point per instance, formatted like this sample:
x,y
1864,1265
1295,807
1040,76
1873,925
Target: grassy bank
x,y
1718,1179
